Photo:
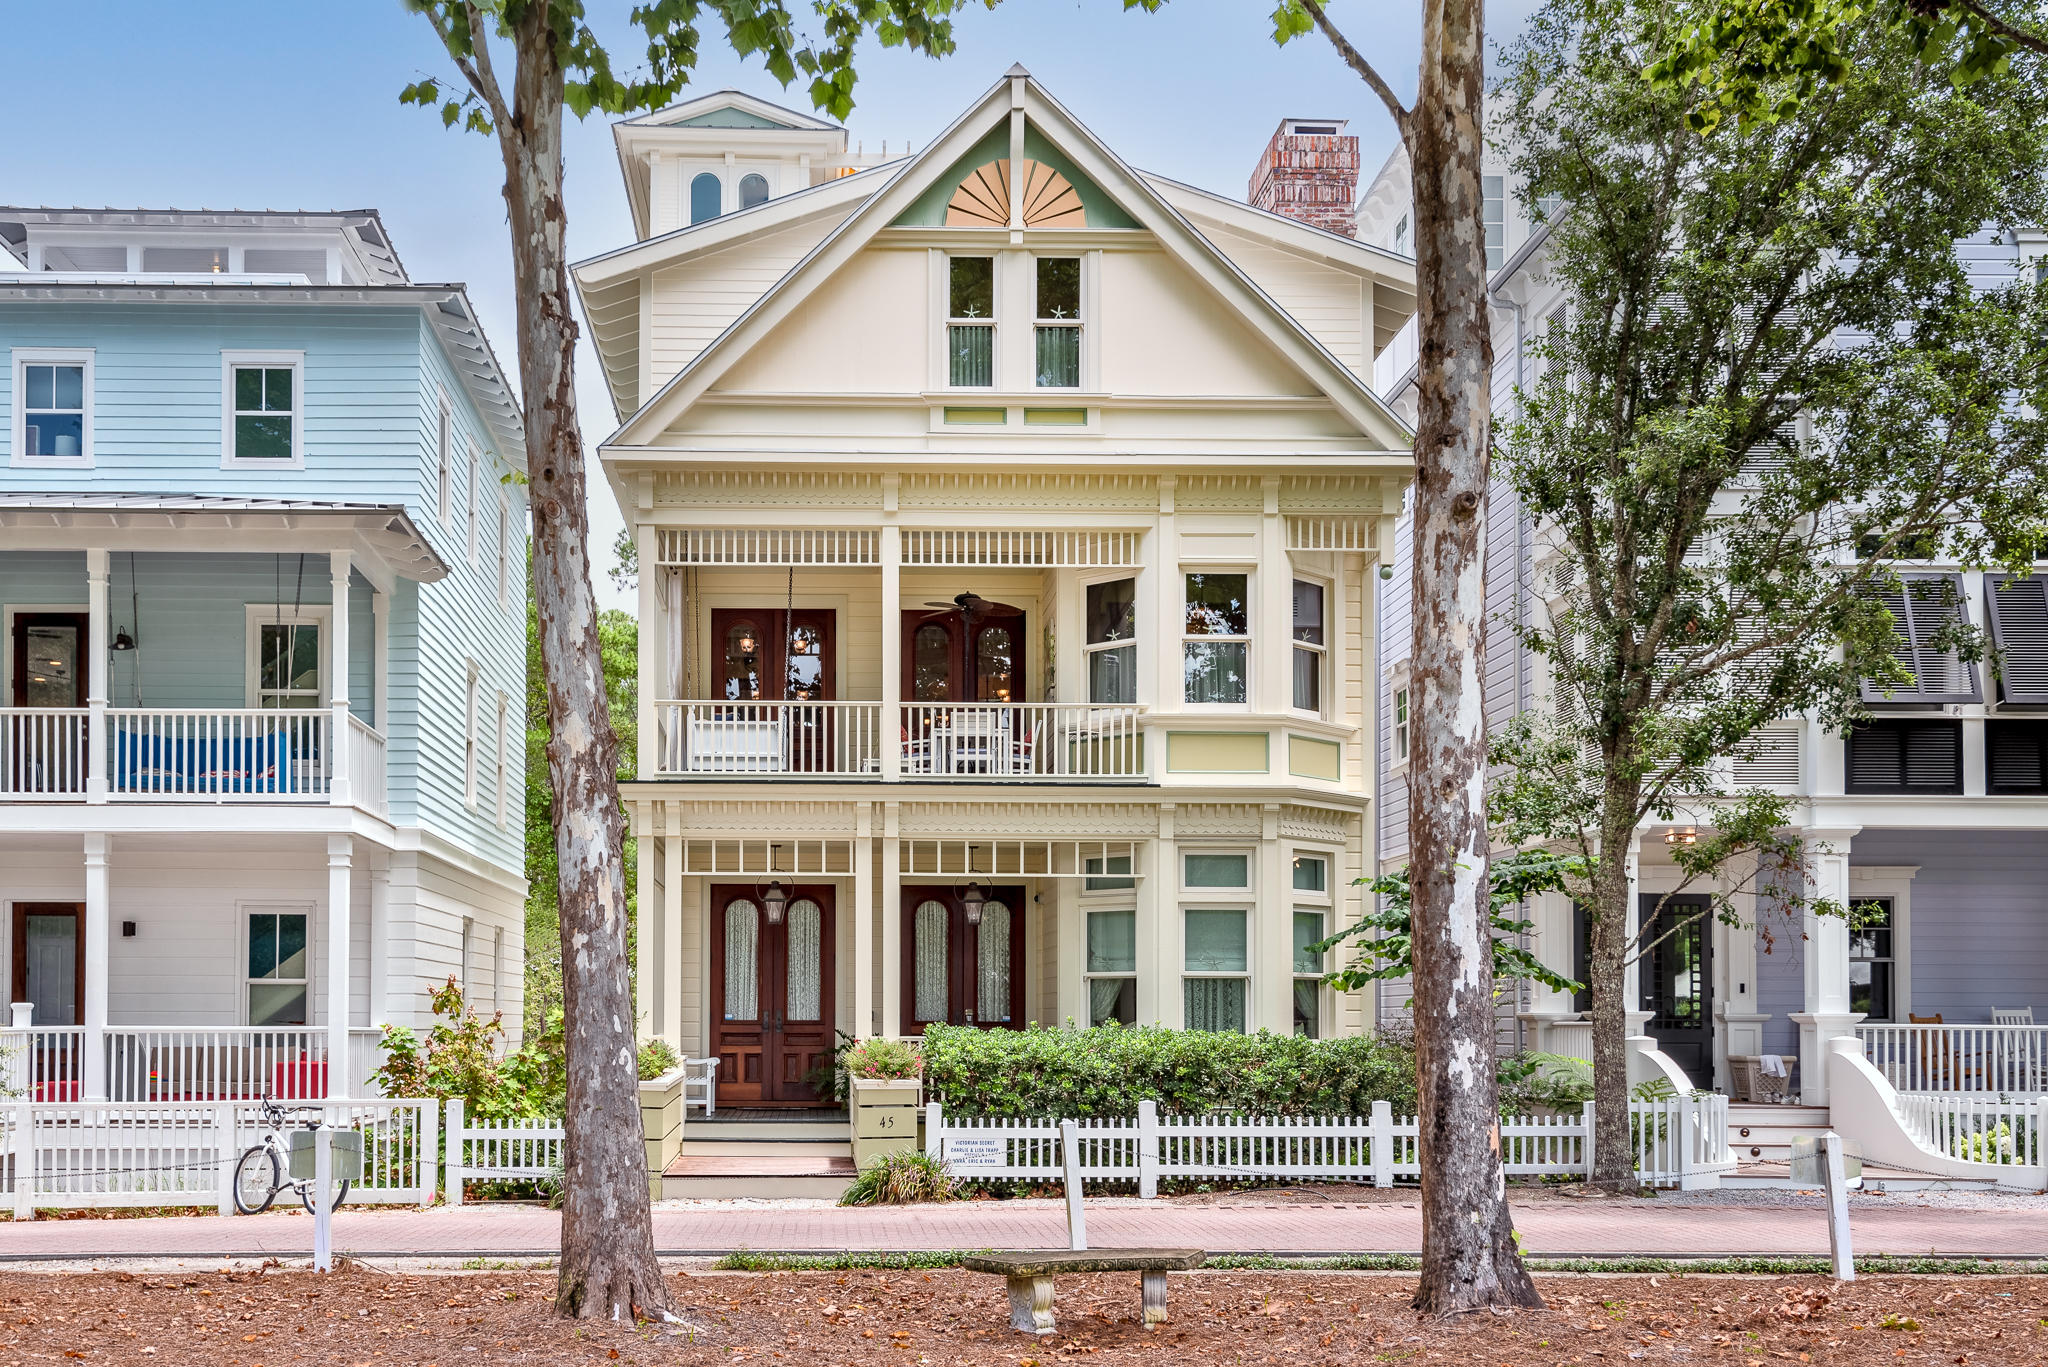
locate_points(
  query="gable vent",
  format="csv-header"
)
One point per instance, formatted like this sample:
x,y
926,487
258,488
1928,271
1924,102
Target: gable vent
x,y
2018,609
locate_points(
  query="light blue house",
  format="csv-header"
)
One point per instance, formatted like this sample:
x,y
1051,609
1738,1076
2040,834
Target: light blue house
x,y
262,599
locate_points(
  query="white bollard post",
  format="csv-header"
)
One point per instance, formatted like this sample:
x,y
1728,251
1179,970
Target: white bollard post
x,y
323,1200
1148,1149
1833,1169
1077,1222
1381,1137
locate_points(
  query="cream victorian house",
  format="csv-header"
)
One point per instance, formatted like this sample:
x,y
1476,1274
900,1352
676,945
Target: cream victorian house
x,y
1007,520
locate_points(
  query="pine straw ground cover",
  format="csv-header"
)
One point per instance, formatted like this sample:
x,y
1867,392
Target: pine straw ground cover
x,y
273,1318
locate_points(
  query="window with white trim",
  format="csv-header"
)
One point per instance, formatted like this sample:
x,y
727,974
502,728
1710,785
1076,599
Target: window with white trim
x,y
285,663
1873,963
263,409
1401,736
498,969
970,322
1111,968
1108,873
1217,631
469,737
1311,923
501,787
1216,940
504,550
463,952
1111,650
1494,215
1311,645
1057,322
280,967
474,508
52,407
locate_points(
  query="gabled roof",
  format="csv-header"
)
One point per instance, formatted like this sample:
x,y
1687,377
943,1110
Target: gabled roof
x,y
695,112
1135,195
714,122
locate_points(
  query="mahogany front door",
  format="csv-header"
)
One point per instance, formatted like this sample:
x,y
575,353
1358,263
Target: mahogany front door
x,y
957,972
772,655
771,996
51,669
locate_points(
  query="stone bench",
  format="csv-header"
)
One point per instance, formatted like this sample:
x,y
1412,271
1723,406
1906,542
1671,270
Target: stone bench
x,y
1030,1275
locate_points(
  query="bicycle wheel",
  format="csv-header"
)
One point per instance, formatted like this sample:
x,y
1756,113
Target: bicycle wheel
x,y
306,1196
256,1179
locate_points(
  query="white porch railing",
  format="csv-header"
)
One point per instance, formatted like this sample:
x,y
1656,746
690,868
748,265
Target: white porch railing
x,y
44,1063
42,752
75,1155
770,739
1022,740
219,753
1681,1142
2003,1060
366,767
499,1150
227,1063
1978,1127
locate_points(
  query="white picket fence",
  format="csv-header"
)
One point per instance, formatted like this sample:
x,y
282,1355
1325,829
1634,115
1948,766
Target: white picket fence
x,y
498,1150
1682,1142
74,1155
1979,1127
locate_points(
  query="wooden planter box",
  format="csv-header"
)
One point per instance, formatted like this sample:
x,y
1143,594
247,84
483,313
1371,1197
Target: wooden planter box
x,y
661,1120
884,1117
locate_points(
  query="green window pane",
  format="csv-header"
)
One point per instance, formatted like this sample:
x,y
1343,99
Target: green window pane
x,y
1213,1004
263,438
1113,942
1059,358
1217,605
1059,287
248,389
971,355
277,391
972,292
1112,865
1214,942
1112,611
277,1003
262,946
1308,929
1216,871
291,947
1311,873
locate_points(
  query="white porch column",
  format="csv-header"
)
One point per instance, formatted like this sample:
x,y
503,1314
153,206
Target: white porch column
x,y
380,935
340,855
1740,1030
674,1027
1273,613
646,900
1632,976
1070,949
891,913
380,660
1272,932
863,919
653,655
892,647
1165,624
1551,916
1159,997
96,687
93,1010
1827,1015
337,679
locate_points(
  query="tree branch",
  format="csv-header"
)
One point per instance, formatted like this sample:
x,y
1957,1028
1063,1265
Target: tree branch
x,y
2032,42
1355,59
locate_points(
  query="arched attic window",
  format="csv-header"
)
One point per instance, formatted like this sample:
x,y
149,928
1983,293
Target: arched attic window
x,y
705,196
753,190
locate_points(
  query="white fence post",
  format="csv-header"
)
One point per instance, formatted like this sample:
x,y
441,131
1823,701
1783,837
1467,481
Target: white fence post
x,y
1077,1219
934,1127
429,1146
1148,1149
1586,1140
224,1127
455,1151
24,1161
1382,1141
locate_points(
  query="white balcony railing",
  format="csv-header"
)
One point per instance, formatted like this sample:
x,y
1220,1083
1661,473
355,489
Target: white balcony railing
x,y
2005,1060
217,1064
770,739
42,752
217,753
366,767
1022,741
44,1063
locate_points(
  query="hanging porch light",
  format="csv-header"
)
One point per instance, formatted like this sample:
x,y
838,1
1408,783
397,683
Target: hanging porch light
x,y
775,897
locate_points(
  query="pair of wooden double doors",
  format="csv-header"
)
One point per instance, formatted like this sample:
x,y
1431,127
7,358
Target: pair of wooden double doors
x,y
771,995
960,969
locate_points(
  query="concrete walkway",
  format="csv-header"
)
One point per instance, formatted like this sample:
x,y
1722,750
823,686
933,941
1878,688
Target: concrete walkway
x,y
1550,1228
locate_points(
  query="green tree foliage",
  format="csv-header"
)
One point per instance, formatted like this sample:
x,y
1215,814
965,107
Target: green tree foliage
x,y
1773,389
464,1055
619,636
1386,938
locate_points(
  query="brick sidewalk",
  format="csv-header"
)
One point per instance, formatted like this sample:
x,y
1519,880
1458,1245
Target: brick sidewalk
x,y
1549,1228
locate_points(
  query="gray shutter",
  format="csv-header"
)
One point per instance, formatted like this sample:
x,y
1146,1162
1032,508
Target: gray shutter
x,y
2018,609
1919,613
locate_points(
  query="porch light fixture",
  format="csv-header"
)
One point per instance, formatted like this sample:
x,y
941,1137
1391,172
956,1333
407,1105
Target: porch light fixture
x,y
1682,835
974,898
123,641
775,897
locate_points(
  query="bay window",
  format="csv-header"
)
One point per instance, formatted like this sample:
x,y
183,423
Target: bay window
x,y
970,322
1310,646
1112,967
1215,968
1058,322
1218,635
1311,924
1111,647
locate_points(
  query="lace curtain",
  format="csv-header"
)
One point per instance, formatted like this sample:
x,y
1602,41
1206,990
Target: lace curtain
x,y
929,954
1215,1004
742,961
805,939
992,951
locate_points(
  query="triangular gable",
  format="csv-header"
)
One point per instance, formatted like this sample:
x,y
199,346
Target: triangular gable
x,y
992,152
731,109
1093,162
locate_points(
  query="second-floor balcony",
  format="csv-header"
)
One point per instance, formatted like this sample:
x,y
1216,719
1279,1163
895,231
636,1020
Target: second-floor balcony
x,y
1008,741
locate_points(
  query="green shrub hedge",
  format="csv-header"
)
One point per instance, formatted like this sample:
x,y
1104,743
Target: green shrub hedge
x,y
1108,1070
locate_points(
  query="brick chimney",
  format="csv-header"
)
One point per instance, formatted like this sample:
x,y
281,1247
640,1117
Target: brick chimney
x,y
1309,172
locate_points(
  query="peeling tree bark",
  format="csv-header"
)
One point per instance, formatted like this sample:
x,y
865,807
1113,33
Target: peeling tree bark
x,y
608,1269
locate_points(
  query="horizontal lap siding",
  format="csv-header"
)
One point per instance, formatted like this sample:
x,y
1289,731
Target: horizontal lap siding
x,y
1979,917
1329,302
694,302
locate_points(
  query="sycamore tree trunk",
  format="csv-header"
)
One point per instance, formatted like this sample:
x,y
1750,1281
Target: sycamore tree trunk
x,y
608,1268
1468,1247
1609,947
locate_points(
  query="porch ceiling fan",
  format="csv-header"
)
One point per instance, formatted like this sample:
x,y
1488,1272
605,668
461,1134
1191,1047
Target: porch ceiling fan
x,y
969,603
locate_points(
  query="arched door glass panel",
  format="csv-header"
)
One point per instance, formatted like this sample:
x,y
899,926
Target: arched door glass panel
x,y
994,664
805,939
742,961
753,190
992,952
932,664
805,665
705,194
742,663
929,931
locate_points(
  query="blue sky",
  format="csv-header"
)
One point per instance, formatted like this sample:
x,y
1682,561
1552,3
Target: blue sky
x,y
287,104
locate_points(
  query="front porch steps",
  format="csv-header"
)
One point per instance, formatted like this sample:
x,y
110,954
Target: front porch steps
x,y
1777,1176
800,1155
1761,1137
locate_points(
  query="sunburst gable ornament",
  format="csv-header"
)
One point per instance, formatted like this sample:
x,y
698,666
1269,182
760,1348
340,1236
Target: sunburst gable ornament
x,y
983,199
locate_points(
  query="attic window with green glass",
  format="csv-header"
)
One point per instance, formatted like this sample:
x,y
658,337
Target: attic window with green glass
x,y
1058,325
970,322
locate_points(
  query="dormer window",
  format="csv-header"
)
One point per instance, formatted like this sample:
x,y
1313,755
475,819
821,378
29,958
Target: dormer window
x,y
970,322
753,190
1058,324
707,197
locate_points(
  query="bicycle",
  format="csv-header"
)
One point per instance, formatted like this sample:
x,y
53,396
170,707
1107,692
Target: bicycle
x,y
259,1173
